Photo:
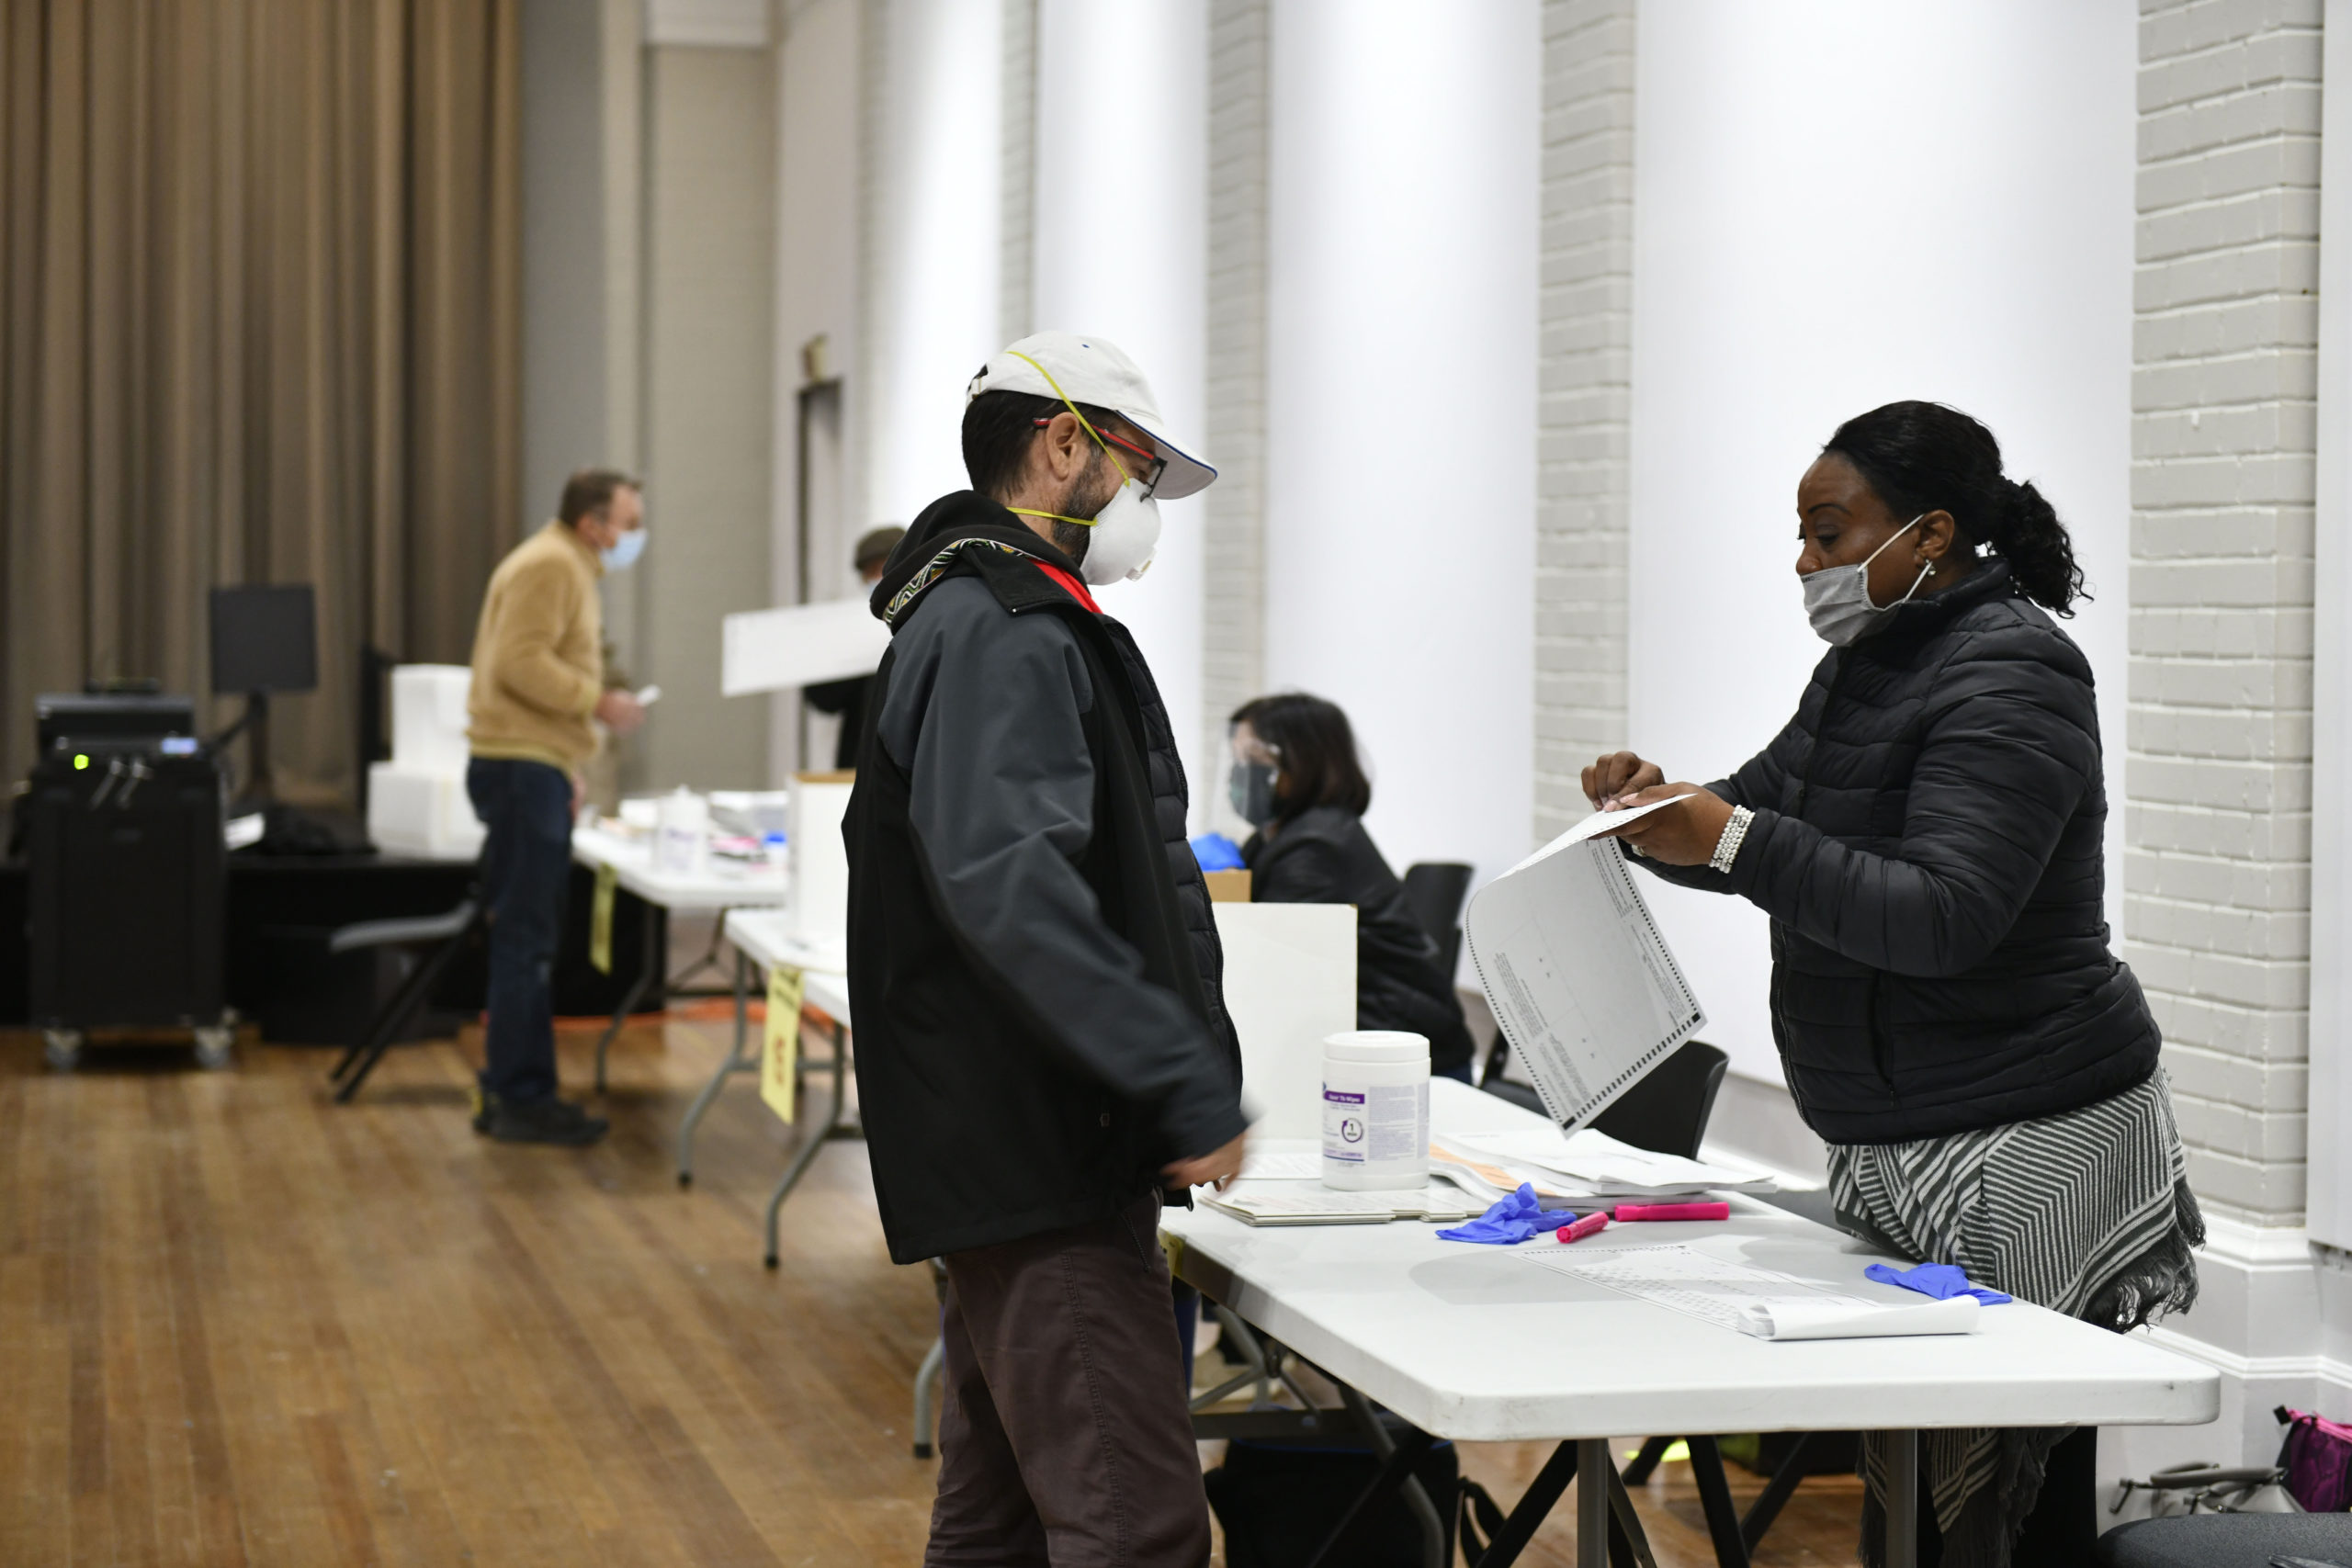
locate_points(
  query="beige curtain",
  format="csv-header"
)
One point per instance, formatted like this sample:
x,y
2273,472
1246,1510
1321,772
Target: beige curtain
x,y
258,323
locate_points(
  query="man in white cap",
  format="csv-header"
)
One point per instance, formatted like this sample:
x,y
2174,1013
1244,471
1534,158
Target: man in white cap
x,y
1042,1042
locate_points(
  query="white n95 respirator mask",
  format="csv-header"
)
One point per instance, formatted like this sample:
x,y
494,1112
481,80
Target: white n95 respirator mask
x,y
1126,534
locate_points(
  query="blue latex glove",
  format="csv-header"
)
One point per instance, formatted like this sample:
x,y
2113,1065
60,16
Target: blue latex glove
x,y
1941,1281
1216,852
1512,1220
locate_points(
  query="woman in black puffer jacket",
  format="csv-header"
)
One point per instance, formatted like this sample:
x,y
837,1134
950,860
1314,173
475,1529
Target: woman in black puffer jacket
x,y
1927,836
1298,781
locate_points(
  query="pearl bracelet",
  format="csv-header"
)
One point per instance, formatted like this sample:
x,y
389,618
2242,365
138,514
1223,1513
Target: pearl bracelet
x,y
1735,835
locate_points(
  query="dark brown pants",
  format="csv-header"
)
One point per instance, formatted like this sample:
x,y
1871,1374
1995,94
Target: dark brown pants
x,y
1064,1440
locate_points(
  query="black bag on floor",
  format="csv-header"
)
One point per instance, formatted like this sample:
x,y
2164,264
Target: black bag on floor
x,y
1278,1499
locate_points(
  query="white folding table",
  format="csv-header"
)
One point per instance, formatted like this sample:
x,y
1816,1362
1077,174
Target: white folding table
x,y
714,891
1479,1344
762,938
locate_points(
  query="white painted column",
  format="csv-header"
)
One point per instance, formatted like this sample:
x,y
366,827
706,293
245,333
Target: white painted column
x,y
931,291
1120,198
1400,501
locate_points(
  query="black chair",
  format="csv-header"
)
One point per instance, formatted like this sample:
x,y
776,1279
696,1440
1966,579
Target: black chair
x,y
437,939
1665,1112
1435,888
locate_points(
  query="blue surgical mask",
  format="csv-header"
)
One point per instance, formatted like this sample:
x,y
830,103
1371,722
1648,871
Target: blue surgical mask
x,y
624,551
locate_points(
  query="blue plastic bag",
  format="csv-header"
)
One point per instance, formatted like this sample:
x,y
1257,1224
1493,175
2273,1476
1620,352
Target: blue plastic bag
x,y
1216,852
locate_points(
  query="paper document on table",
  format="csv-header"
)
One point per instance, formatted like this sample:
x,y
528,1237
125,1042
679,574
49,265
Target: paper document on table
x,y
1580,977
1596,1162
1754,1301
1259,1202
1283,1165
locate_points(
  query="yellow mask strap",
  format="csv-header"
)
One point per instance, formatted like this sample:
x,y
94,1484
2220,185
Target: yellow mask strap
x,y
1083,421
1032,512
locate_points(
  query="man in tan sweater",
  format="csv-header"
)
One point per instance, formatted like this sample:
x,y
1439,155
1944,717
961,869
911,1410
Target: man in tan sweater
x,y
539,681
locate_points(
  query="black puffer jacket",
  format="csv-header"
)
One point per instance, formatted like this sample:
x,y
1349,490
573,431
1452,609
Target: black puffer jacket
x,y
1034,966
1324,856
1928,843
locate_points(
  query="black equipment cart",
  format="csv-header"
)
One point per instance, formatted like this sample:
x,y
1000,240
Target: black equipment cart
x,y
127,893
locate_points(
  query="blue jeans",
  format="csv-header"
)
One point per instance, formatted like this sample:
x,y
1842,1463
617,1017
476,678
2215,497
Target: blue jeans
x,y
526,872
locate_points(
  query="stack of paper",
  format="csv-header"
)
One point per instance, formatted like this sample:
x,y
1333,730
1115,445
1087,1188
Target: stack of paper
x,y
1760,1302
1488,1181
1261,1203
1590,1164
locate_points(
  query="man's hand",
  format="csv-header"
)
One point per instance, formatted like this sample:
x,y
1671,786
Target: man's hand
x,y
1609,781
1679,835
620,712
578,794
1211,1170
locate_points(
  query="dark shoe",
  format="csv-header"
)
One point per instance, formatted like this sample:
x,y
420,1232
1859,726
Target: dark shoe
x,y
545,1121
485,1106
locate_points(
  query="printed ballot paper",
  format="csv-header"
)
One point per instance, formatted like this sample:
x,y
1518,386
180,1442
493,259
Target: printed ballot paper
x,y
1759,1302
1576,971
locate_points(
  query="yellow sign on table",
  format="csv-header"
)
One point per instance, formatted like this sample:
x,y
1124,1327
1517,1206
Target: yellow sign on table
x,y
780,1041
600,919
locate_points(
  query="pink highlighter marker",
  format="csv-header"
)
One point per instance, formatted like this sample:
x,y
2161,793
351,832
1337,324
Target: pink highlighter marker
x,y
1672,1212
1592,1225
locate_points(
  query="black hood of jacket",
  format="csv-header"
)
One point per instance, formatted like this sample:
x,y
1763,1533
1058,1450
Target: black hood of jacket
x,y
939,533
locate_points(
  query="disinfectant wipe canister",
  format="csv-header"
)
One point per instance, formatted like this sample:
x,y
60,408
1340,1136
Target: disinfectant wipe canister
x,y
1375,1110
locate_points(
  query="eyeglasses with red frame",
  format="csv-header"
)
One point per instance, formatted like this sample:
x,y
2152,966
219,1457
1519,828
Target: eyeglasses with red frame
x,y
1154,465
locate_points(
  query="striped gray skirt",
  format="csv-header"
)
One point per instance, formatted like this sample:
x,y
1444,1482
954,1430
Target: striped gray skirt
x,y
2088,1213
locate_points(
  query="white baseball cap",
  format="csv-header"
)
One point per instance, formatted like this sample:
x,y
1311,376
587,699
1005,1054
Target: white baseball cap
x,y
1094,371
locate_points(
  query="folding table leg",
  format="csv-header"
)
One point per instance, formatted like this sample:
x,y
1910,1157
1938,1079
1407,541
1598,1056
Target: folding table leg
x,y
1652,1452
1390,1475
1714,1499
1593,1503
1533,1504
646,971
819,1134
1417,1498
733,1065
1627,1540
1903,1499
1776,1493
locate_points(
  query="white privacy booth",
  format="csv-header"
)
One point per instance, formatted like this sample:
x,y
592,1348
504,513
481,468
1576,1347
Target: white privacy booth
x,y
1290,981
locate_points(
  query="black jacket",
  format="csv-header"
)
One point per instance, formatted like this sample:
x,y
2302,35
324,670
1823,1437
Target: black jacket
x,y
1928,843
1034,967
1324,856
847,699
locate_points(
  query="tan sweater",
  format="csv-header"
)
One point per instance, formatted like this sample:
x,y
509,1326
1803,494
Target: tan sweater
x,y
538,653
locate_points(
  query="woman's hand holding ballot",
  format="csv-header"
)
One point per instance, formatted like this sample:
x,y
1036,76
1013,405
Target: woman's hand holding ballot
x,y
1685,836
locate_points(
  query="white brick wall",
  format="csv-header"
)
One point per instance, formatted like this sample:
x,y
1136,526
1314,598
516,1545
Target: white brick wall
x,y
2218,775
1233,643
1583,390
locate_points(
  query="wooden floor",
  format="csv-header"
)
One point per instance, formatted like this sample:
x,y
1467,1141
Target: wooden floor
x,y
241,1325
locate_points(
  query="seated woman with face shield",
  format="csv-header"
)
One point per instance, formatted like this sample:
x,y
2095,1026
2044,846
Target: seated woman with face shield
x,y
1297,780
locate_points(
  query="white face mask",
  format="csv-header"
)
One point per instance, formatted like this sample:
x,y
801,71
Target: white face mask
x,y
1126,534
1837,598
